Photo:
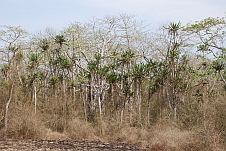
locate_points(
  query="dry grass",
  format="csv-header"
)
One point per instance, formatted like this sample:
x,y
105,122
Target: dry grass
x,y
136,136
79,129
51,135
162,135
25,124
166,135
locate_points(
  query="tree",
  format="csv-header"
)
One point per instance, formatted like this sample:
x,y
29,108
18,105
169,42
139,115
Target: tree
x,y
139,72
7,105
35,75
172,59
12,54
210,34
11,57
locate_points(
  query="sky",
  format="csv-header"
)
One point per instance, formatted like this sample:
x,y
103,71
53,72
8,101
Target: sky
x,y
37,15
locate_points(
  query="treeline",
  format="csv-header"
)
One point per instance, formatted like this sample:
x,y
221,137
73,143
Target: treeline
x,y
116,69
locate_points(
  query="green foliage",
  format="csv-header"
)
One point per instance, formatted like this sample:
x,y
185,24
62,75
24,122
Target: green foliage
x,y
205,24
173,28
65,63
61,77
103,71
36,76
203,47
174,54
5,68
44,44
72,84
139,70
92,65
97,56
33,61
53,80
13,48
126,89
112,77
54,62
33,57
127,56
181,68
60,39
218,65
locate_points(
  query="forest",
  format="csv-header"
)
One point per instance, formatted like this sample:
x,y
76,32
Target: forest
x,y
116,79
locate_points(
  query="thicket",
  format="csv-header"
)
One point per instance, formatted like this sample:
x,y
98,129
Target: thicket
x,y
115,78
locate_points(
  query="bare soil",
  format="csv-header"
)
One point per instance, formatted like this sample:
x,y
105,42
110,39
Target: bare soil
x,y
69,145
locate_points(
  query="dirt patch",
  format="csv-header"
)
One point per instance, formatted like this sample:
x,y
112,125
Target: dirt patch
x,y
69,145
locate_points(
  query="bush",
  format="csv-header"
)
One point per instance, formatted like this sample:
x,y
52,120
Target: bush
x,y
78,129
25,124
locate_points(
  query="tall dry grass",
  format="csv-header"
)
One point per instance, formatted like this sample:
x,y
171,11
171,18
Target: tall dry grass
x,y
162,135
25,124
200,127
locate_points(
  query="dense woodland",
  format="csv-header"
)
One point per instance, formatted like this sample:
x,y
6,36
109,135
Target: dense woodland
x,y
115,70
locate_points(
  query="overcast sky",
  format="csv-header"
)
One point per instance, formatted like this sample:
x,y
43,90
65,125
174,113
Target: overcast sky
x,y
36,15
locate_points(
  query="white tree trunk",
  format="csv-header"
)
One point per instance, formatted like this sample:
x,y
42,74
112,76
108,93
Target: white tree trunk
x,y
35,95
175,114
7,107
100,106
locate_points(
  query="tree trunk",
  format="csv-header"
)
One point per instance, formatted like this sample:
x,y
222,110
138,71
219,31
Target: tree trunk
x,y
175,114
35,96
139,98
150,93
111,91
91,104
83,97
100,106
7,107
121,115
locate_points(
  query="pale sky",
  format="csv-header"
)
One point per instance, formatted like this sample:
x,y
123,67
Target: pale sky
x,y
36,15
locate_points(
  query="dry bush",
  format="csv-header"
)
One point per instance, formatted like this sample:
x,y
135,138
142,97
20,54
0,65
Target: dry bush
x,y
220,120
136,136
55,122
52,135
210,134
205,140
113,131
79,129
162,136
24,123
167,136
107,131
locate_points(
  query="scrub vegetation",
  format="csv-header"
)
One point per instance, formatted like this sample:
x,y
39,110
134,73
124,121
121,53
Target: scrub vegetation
x,y
115,79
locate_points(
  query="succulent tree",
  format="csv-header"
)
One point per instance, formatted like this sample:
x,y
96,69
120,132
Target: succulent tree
x,y
172,58
35,75
139,72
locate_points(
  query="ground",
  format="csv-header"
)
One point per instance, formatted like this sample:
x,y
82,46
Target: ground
x,y
69,145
